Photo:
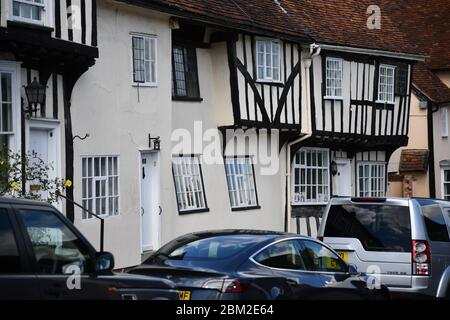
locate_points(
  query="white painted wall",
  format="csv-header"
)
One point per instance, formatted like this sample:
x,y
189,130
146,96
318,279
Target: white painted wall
x,y
106,105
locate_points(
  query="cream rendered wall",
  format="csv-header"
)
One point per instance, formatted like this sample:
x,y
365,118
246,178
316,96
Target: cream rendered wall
x,y
106,105
441,144
216,110
417,140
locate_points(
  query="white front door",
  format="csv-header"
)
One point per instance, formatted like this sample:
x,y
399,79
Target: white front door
x,y
150,203
40,144
44,140
343,178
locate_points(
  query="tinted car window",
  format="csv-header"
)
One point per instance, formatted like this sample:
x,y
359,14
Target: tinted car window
x,y
378,227
435,223
319,258
57,249
212,248
9,255
284,255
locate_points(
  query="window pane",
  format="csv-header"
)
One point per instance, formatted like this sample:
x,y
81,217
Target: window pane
x,y
319,258
6,87
9,254
378,227
102,190
283,255
55,246
188,183
435,222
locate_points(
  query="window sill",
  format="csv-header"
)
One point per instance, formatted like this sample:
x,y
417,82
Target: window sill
x,y
385,102
29,25
246,208
144,85
333,98
270,83
187,99
193,211
309,204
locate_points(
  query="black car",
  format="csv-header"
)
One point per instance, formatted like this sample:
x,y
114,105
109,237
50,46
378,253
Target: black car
x,y
43,256
242,264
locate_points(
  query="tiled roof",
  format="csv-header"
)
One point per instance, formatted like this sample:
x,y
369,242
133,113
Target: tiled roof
x,y
426,23
413,160
338,22
429,84
344,22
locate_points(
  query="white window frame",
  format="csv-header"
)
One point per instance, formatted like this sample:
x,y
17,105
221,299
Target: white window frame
x,y
146,82
14,136
444,124
301,198
332,90
385,96
381,190
92,179
46,14
188,180
444,182
241,182
258,63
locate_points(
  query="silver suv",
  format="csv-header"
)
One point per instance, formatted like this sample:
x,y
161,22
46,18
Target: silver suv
x,y
403,243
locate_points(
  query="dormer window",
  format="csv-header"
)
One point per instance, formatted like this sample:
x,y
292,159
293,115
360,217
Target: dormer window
x,y
32,11
268,60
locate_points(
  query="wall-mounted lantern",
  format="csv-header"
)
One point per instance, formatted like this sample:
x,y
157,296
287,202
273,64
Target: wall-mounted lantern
x,y
154,143
334,168
35,94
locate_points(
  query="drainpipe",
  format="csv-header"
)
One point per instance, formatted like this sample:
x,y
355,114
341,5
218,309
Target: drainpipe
x,y
432,108
314,50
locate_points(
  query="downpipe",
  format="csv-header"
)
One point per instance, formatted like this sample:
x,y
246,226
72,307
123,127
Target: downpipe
x,y
314,50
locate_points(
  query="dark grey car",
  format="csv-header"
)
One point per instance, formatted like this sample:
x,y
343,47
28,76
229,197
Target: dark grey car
x,y
256,265
43,256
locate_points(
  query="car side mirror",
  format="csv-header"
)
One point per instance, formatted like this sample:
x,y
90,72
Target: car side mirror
x,y
352,269
104,261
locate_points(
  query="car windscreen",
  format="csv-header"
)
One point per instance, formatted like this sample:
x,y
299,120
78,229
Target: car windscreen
x,y
211,248
379,227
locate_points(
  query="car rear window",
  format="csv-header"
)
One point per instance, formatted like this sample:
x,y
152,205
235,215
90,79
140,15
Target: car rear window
x,y
435,223
219,247
378,227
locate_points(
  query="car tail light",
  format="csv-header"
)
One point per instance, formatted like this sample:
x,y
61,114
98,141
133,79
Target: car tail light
x,y
320,238
421,258
226,286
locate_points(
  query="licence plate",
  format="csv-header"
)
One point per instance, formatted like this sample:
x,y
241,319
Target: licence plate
x,y
185,295
344,256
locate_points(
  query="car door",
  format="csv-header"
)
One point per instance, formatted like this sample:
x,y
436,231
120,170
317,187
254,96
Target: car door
x,y
17,281
284,260
62,258
337,283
